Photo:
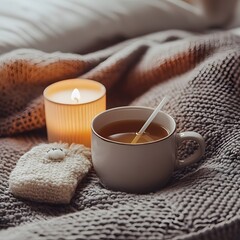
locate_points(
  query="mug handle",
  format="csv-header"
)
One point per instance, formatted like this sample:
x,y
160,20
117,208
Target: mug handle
x,y
189,135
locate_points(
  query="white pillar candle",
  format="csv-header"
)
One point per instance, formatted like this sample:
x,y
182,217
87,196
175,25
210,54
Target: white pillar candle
x,y
70,106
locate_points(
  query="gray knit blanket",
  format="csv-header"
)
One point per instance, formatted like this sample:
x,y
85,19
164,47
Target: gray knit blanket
x,y
202,76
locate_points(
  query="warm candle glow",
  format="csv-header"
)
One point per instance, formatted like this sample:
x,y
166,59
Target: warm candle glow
x,y
70,106
75,96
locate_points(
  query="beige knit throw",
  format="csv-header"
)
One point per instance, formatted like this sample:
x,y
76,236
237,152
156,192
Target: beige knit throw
x,y
50,172
201,74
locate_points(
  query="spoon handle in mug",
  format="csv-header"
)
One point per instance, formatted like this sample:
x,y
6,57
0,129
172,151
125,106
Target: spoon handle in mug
x,y
193,136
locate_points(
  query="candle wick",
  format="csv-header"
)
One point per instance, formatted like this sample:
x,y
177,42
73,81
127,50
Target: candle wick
x,y
76,99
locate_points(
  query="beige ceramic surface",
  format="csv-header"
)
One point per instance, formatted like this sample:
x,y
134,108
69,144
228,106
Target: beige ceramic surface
x,y
139,167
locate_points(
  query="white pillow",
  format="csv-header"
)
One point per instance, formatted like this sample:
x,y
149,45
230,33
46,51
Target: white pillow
x,y
76,25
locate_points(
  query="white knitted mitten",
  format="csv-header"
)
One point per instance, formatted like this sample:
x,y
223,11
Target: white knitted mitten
x,y
50,172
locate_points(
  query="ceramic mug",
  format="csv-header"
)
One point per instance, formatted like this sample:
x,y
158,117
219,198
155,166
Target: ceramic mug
x,y
139,167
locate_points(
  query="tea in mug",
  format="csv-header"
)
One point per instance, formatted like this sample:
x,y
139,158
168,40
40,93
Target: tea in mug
x,y
125,131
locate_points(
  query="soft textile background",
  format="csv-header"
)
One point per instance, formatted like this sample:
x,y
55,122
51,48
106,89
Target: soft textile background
x,y
80,25
202,76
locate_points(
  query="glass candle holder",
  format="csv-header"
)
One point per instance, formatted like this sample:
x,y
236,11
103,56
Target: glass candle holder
x,y
70,106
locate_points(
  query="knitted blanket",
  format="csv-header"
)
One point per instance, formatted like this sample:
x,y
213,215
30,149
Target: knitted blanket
x,y
201,74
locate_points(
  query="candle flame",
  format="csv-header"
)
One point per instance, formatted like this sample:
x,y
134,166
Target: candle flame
x,y
75,96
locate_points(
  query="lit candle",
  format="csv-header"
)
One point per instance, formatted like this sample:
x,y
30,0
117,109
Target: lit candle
x,y
70,106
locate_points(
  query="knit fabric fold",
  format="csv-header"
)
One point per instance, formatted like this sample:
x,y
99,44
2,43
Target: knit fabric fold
x,y
50,172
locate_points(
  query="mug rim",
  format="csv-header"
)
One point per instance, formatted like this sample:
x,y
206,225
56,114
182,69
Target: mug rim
x,y
130,144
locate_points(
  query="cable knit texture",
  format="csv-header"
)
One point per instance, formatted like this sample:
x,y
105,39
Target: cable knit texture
x,y
202,76
50,172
